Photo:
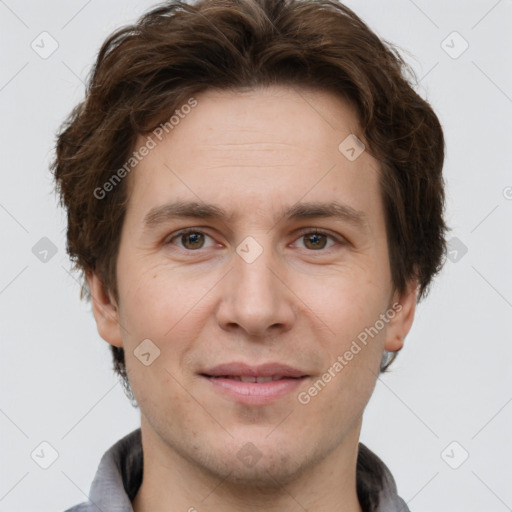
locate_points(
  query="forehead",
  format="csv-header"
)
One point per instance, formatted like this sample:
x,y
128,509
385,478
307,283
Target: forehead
x,y
268,145
266,115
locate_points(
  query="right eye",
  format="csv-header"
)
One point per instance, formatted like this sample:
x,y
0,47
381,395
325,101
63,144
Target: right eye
x,y
191,238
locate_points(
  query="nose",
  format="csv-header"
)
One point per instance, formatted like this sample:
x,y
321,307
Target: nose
x,y
255,297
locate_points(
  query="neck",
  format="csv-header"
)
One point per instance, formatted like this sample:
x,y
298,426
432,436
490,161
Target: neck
x,y
171,482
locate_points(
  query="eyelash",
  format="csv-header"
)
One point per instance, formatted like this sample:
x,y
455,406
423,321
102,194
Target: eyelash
x,y
302,233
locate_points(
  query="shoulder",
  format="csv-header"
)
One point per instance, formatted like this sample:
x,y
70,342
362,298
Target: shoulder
x,y
117,478
82,507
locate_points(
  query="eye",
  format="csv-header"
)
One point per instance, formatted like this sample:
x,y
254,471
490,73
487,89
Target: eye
x,y
192,239
316,240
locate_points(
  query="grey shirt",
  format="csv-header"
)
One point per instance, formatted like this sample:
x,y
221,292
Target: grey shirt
x,y
119,477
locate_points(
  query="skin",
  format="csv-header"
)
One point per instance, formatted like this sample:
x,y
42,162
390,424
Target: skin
x,y
253,152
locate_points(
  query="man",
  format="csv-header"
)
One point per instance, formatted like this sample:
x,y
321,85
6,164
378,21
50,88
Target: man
x,y
255,198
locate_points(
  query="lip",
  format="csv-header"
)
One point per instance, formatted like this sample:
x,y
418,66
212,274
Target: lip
x,y
263,370
223,379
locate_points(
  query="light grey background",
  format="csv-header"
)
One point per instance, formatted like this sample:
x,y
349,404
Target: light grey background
x,y
453,380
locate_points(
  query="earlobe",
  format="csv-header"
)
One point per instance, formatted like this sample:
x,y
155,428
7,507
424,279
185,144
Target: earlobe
x,y
105,311
400,325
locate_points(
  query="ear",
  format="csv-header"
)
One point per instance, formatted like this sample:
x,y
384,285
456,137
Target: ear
x,y
400,325
105,311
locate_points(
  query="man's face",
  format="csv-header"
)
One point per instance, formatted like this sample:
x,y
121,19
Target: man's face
x,y
255,288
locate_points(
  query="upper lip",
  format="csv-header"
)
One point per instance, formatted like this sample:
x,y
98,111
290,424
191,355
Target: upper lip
x,y
263,370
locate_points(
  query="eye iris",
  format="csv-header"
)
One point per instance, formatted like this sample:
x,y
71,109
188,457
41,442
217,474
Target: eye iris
x,y
194,238
316,237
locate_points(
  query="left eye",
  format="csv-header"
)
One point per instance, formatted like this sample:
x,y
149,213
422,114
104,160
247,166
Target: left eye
x,y
316,240
193,239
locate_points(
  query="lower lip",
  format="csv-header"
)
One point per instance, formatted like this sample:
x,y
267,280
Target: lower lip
x,y
255,392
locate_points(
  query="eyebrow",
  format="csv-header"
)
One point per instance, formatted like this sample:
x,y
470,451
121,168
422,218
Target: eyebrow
x,y
306,210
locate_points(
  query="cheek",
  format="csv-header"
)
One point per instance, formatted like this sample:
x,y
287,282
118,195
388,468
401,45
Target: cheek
x,y
353,344
354,356
153,300
347,302
340,394
159,308
160,394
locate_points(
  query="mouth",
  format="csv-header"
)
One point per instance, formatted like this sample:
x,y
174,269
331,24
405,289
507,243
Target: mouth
x,y
250,378
256,385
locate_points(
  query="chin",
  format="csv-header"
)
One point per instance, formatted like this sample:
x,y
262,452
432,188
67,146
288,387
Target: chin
x,y
268,467
267,474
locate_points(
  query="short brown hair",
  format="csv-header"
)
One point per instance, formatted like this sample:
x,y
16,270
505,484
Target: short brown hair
x,y
145,71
